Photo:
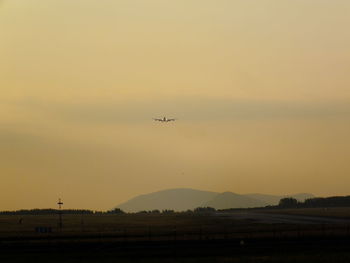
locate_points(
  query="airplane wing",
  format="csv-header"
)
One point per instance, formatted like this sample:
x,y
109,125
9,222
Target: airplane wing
x,y
158,119
171,119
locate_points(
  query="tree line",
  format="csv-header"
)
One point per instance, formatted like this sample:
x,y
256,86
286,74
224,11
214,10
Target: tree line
x,y
50,211
318,202
289,202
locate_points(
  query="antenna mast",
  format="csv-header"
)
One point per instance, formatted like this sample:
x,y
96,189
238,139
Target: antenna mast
x,y
60,203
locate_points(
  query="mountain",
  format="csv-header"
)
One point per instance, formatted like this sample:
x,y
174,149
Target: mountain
x,y
274,199
232,200
182,199
175,199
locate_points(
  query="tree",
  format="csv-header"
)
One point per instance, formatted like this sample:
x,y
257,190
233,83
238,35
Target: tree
x,y
116,211
288,202
204,210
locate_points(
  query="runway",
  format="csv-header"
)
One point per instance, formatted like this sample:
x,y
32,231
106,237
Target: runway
x,y
269,218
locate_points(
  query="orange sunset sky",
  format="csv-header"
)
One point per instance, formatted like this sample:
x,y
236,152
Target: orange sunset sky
x,y
261,90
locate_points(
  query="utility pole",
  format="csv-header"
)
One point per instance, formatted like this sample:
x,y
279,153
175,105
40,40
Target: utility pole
x,y
60,203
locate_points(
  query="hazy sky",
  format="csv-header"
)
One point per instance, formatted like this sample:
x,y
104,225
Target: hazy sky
x,y
261,89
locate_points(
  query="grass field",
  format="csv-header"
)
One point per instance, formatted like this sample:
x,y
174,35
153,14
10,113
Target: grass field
x,y
171,238
333,212
153,226
107,223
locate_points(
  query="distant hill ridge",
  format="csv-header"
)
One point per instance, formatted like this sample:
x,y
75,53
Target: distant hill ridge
x,y
182,199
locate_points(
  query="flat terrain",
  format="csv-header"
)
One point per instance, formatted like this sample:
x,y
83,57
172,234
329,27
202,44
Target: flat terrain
x,y
333,212
293,216
239,236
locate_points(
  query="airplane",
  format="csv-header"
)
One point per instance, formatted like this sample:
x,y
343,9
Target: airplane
x,y
164,119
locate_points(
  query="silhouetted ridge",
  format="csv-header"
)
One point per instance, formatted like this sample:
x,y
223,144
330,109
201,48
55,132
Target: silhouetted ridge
x,y
183,199
231,200
180,199
274,199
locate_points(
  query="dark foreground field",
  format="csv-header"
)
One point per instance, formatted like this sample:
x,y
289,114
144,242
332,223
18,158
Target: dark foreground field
x,y
222,237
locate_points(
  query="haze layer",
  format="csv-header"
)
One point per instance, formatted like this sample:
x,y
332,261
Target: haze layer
x,y
260,88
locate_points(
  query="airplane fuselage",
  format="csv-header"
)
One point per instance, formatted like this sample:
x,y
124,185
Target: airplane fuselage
x,y
164,119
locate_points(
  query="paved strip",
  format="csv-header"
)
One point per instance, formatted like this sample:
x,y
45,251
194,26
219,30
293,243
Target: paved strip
x,y
282,218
